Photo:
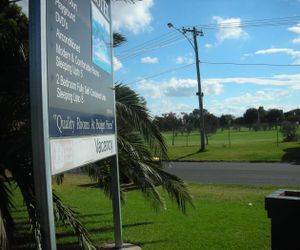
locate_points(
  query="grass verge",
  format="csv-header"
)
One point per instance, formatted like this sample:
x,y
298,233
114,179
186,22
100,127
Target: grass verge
x,y
224,217
245,146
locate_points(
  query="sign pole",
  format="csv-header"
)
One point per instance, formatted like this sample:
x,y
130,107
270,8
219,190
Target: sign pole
x,y
116,202
115,182
39,114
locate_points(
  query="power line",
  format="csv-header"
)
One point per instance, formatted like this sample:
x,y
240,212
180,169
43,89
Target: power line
x,y
171,38
160,45
158,38
253,22
143,49
251,64
249,25
212,63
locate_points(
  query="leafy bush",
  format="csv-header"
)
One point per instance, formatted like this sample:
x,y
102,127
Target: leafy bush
x,y
288,130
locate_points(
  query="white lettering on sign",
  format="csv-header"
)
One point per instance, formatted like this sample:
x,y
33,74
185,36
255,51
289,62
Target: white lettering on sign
x,y
103,6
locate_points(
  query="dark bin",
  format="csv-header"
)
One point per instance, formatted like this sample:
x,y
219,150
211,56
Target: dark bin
x,y
283,208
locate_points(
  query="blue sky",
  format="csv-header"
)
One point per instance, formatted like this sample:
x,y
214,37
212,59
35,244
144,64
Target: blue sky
x,y
227,89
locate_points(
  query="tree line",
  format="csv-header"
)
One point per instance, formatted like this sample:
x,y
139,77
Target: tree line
x,y
253,119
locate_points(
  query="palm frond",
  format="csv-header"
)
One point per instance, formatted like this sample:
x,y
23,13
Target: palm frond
x,y
4,242
6,221
133,114
119,39
137,163
69,217
139,140
176,189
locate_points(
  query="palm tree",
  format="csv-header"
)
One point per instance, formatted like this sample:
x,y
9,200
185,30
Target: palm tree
x,y
15,131
140,144
138,140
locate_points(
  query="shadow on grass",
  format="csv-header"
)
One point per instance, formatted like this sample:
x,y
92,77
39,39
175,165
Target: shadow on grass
x,y
292,155
26,241
89,185
94,215
104,229
23,240
185,156
66,246
20,210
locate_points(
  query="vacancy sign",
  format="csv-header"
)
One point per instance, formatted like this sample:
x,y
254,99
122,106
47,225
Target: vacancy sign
x,y
81,101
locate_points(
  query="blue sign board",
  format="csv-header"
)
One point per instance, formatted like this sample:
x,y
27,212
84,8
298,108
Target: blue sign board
x,y
80,82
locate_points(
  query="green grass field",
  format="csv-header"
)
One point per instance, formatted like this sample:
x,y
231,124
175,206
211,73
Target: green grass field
x,y
222,218
245,146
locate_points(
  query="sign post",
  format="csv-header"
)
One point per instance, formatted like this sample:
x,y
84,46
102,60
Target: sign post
x,y
39,111
72,96
116,203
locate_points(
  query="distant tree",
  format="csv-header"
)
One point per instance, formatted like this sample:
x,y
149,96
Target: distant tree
x,y
187,125
293,116
264,126
262,113
256,126
195,118
274,116
211,124
250,117
189,128
238,123
224,121
288,130
168,121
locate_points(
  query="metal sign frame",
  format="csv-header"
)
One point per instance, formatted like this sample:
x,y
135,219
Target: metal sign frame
x,y
40,132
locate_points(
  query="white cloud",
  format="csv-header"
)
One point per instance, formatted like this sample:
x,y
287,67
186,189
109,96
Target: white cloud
x,y
295,29
170,95
164,105
291,52
186,59
297,62
229,29
236,105
208,45
271,51
149,60
245,56
212,87
180,87
296,40
176,87
135,18
172,87
295,54
117,64
292,81
179,60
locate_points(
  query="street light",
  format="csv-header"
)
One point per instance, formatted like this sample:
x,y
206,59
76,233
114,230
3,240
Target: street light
x,y
194,44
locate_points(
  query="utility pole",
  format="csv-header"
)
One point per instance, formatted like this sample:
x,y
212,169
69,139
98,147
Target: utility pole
x,y
194,44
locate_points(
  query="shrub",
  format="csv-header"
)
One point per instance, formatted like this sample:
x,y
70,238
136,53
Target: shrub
x,y
288,130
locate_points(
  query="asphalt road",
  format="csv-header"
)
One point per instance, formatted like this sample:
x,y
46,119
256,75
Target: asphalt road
x,y
283,174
